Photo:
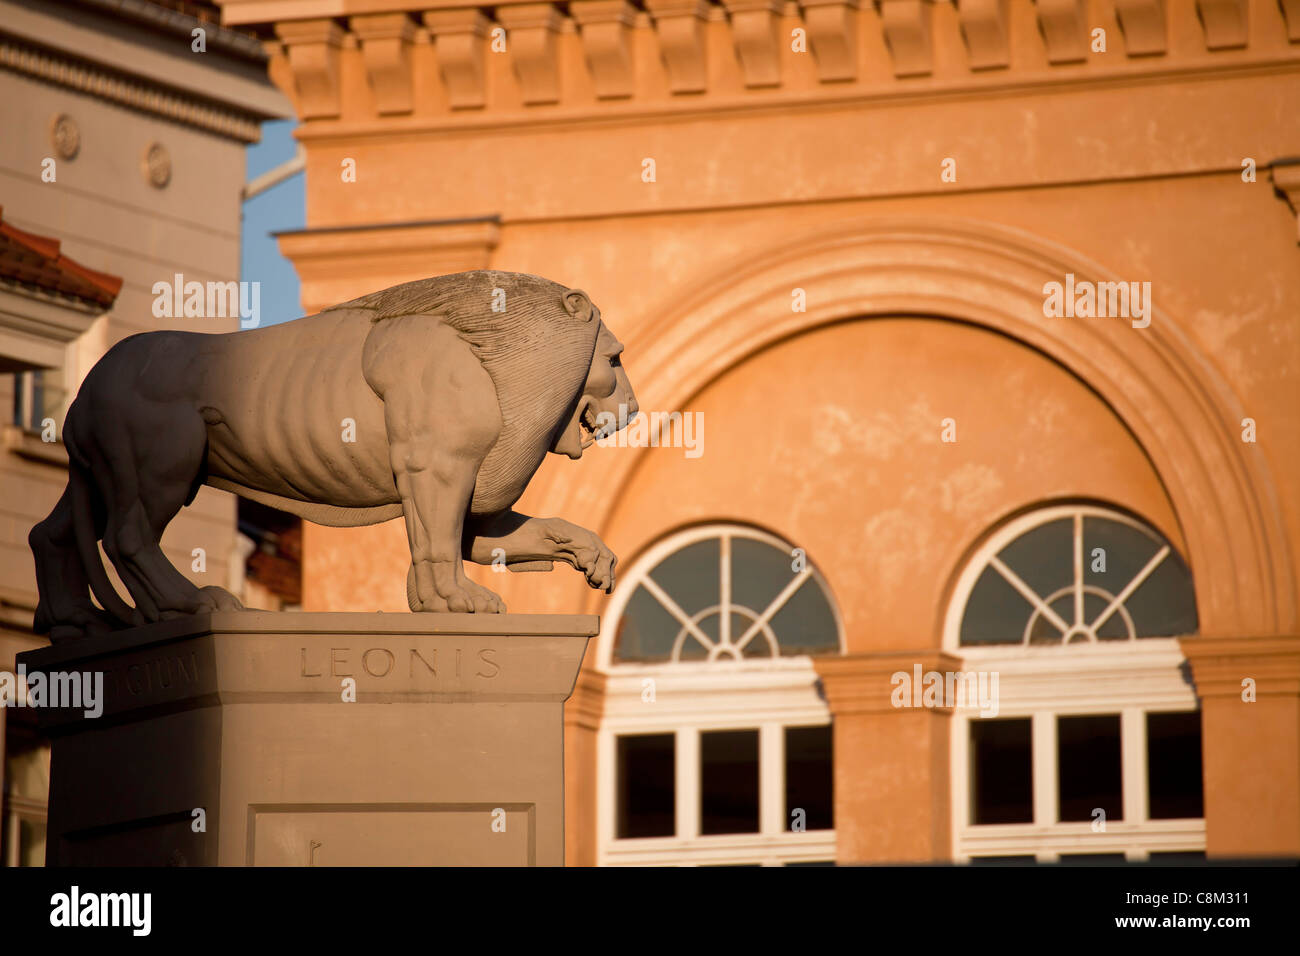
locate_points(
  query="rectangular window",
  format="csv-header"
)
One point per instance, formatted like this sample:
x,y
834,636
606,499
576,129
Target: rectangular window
x,y
809,777
38,395
1174,787
646,786
729,782
1001,771
1090,768
26,793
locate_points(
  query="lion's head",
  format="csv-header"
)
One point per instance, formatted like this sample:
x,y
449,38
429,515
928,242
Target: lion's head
x,y
606,403
553,362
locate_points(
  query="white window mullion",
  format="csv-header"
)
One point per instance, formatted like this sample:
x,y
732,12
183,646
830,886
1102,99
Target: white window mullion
x,y
1133,750
961,795
28,386
687,785
771,780
1043,745
607,771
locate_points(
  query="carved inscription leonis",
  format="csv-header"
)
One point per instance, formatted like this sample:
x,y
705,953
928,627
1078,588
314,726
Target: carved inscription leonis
x,y
382,662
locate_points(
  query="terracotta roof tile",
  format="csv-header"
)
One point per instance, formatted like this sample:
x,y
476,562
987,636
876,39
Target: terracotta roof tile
x,y
34,260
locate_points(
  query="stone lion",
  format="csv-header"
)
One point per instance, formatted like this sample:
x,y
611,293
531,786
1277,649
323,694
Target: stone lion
x,y
436,400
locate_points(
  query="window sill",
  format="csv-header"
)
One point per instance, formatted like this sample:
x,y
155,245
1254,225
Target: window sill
x,y
29,445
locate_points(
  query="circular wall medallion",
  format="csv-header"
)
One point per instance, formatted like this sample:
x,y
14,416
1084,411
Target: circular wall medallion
x,y
65,135
157,165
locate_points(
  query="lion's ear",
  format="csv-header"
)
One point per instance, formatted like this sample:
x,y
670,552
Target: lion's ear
x,y
578,305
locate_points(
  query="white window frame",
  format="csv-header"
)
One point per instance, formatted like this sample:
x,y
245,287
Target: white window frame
x,y
690,698
1130,678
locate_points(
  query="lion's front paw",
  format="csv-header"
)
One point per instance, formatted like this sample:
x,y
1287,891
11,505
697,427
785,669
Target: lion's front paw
x,y
213,598
442,587
590,556
485,601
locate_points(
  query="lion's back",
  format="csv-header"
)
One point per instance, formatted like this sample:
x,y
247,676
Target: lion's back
x,y
290,413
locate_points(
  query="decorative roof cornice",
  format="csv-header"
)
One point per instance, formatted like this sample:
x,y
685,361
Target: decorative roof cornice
x,y
51,66
857,50
234,43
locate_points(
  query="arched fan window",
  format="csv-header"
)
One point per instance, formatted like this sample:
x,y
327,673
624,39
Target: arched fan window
x,y
1076,574
727,593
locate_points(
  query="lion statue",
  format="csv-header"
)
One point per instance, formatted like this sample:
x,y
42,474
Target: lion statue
x,y
436,400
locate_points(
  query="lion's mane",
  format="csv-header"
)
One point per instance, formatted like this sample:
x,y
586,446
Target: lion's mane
x,y
537,354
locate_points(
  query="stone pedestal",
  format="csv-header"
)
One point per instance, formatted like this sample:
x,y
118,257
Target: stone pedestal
x,y
316,739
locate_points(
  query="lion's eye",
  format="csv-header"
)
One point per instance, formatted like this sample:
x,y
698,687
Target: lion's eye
x,y
615,361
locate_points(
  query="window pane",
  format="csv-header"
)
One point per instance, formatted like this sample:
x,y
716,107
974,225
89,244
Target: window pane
x,y
1174,786
646,787
38,395
729,781
1089,767
645,631
1126,550
805,624
995,612
1001,771
1043,557
758,645
691,576
809,777
758,573
1165,603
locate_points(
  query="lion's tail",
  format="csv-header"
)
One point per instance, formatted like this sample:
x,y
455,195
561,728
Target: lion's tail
x,y
83,523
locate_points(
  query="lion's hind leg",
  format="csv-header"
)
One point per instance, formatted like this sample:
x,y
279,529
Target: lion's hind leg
x,y
65,609
148,488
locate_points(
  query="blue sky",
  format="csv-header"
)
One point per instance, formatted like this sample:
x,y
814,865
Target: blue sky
x,y
279,208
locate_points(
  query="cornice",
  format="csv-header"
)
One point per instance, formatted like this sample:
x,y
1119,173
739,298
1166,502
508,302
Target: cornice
x,y
233,43
1286,180
888,50
32,60
343,262
842,96
1221,664
862,683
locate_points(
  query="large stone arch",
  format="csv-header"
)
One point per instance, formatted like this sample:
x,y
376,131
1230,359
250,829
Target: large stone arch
x,y
1175,403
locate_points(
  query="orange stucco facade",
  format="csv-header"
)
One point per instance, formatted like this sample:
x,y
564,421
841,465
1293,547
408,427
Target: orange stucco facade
x,y
917,175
